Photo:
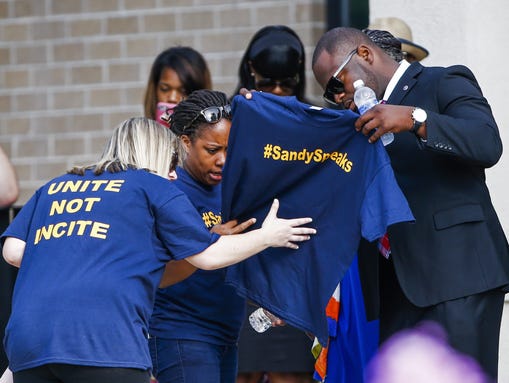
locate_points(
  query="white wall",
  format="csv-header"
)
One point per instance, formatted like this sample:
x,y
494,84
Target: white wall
x,y
473,33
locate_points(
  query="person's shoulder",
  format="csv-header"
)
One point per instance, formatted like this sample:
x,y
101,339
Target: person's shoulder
x,y
147,178
460,70
441,76
61,178
131,179
454,70
155,188
457,75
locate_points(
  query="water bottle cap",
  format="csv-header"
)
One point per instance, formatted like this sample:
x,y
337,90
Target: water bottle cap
x,y
358,84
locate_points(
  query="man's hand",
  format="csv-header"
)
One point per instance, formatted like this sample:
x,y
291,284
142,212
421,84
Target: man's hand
x,y
384,118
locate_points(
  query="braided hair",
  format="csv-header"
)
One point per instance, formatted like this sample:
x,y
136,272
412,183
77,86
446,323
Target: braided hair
x,y
385,40
186,118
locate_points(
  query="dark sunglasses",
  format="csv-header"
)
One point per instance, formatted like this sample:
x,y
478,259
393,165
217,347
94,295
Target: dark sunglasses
x,y
334,85
267,84
212,114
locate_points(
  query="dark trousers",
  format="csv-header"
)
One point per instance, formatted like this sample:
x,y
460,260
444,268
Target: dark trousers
x,y
67,373
472,323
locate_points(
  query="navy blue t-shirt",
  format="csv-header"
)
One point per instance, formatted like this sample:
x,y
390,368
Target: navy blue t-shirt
x,y
314,161
202,307
96,247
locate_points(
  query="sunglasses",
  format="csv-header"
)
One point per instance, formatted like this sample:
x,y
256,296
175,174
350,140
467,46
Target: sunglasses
x,y
334,85
212,114
268,84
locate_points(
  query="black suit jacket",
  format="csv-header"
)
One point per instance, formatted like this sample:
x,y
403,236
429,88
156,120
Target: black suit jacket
x,y
456,247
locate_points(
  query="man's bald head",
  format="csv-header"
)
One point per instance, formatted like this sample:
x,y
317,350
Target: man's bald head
x,y
339,41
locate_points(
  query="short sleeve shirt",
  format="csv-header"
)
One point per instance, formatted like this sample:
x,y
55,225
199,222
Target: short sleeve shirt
x,y
317,165
96,247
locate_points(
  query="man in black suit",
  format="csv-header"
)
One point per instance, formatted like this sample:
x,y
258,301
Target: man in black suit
x,y
452,265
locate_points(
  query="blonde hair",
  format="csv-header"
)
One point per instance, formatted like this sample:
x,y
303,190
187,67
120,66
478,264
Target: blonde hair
x,y
137,143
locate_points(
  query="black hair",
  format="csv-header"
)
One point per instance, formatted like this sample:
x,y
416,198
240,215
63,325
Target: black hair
x,y
386,40
275,51
190,67
186,118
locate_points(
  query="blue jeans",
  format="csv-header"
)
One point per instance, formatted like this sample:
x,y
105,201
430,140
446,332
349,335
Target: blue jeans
x,y
190,361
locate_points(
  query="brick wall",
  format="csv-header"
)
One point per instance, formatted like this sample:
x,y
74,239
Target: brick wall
x,y
70,70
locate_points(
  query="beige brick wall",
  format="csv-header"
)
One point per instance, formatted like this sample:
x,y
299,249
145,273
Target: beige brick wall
x,y
70,70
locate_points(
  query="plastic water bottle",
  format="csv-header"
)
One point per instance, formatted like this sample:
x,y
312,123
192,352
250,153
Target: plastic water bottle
x,y
261,320
365,98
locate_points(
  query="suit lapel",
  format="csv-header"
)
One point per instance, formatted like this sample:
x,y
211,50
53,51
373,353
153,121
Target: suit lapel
x,y
405,84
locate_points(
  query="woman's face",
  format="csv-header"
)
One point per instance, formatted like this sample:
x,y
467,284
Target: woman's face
x,y
170,88
206,154
278,86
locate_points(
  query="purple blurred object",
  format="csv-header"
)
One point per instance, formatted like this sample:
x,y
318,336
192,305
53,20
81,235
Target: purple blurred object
x,y
422,355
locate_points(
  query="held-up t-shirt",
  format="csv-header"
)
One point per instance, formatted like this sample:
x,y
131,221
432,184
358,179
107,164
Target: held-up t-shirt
x,y
202,307
96,247
318,166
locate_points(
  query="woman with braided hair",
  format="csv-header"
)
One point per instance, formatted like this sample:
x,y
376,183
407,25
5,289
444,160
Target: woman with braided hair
x,y
196,323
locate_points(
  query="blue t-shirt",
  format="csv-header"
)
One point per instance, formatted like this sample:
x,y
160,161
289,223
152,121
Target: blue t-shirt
x,y
314,161
202,307
96,247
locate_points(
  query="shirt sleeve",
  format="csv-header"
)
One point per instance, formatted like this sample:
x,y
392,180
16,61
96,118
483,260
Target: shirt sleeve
x,y
181,229
384,204
20,226
464,127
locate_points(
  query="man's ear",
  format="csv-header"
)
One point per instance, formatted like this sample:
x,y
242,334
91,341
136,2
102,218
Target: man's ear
x,y
365,53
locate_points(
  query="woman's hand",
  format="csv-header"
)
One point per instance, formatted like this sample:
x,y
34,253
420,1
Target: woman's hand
x,y
275,232
232,227
274,320
284,232
248,94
